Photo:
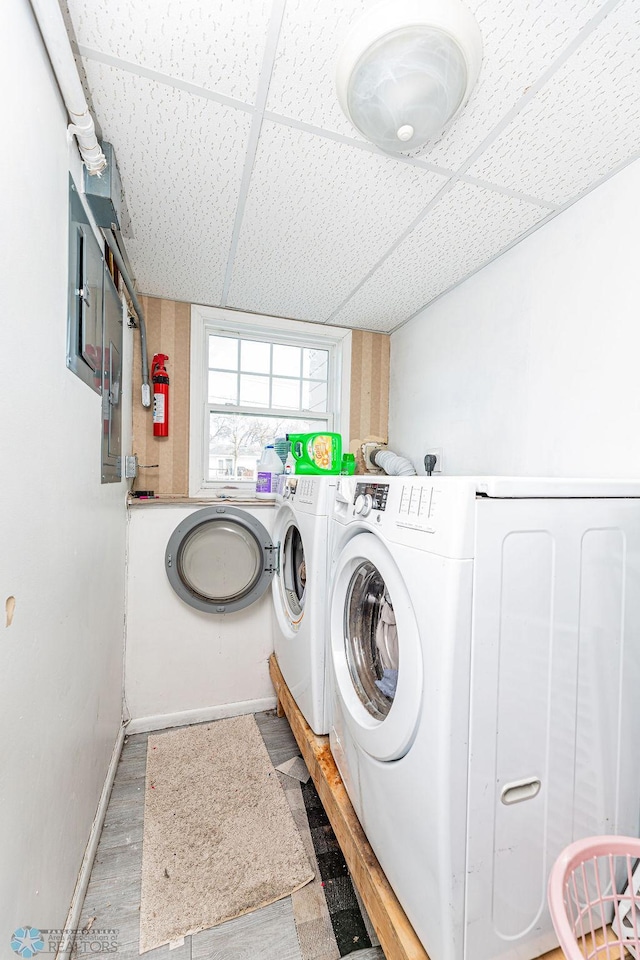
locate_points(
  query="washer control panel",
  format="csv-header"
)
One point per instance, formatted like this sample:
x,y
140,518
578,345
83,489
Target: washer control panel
x,y
433,515
417,509
304,489
299,488
370,496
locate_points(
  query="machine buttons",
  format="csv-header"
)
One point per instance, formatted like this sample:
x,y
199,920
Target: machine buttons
x,y
378,493
415,510
304,493
425,502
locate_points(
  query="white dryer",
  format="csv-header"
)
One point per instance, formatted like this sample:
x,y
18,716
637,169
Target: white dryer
x,y
485,664
300,591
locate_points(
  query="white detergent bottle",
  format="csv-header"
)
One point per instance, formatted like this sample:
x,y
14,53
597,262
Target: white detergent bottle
x,y
290,464
269,466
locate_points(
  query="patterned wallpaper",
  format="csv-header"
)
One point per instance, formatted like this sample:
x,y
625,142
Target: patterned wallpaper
x,y
168,326
369,385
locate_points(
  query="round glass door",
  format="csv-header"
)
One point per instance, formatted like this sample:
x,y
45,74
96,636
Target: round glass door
x,y
376,650
293,574
219,559
371,640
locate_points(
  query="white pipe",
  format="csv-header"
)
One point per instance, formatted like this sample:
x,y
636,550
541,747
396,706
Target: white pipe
x,y
56,41
393,465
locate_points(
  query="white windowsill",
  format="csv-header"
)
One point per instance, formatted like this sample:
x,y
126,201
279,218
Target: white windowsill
x,y
170,500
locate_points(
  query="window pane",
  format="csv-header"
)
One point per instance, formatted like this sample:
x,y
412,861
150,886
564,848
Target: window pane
x,y
224,467
223,353
315,363
314,396
236,441
255,356
286,360
254,391
285,394
223,387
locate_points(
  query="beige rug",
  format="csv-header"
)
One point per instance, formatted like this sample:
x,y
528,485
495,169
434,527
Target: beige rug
x,y
219,837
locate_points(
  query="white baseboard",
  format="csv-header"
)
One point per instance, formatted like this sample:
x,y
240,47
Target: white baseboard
x,y
77,900
162,721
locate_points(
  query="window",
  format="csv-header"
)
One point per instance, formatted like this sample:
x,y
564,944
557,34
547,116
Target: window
x,y
253,380
224,467
257,391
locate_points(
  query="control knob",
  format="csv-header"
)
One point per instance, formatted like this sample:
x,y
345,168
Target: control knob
x,y
363,504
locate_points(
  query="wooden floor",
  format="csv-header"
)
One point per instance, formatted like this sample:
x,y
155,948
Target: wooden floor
x,y
113,896
390,922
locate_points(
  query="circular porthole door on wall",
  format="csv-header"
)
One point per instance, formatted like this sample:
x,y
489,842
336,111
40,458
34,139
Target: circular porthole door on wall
x,y
220,559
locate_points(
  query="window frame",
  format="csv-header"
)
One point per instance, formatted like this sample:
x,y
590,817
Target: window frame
x,y
219,321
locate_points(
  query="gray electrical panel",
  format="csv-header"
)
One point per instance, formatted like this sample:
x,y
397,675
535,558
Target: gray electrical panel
x,y
111,383
85,291
94,331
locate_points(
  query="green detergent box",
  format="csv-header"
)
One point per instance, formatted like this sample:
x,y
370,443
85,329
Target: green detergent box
x,y
316,452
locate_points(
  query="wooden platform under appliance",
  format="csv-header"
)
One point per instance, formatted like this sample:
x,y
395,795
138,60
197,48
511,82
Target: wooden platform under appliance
x,y
397,937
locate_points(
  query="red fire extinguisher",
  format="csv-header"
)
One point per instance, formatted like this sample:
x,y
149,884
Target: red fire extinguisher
x,y
160,380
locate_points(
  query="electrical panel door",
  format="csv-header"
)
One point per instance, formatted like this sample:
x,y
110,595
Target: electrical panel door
x,y
85,283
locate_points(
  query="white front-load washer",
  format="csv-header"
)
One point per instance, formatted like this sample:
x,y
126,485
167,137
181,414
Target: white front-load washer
x,y
485,663
300,591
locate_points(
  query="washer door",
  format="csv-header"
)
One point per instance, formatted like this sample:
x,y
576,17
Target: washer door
x,y
376,649
293,575
220,559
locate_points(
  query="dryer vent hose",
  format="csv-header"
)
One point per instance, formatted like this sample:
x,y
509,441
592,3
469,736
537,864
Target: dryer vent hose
x,y
392,464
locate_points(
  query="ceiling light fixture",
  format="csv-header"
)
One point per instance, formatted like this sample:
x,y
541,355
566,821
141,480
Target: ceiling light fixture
x,y
407,68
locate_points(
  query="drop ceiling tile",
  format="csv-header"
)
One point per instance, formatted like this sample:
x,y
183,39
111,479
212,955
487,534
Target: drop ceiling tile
x,y
583,122
303,79
319,215
520,41
468,227
218,46
180,159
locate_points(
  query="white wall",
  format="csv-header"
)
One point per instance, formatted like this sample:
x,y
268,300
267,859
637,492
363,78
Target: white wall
x,y
183,665
62,533
532,366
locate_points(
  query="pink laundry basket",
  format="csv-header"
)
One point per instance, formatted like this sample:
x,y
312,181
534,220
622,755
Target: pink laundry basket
x,y
594,899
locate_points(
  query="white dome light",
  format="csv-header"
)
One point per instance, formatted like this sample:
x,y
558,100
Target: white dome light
x,y
406,69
